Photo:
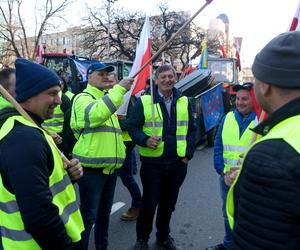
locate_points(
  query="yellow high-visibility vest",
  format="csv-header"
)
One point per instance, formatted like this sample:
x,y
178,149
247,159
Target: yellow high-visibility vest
x,y
287,130
13,233
233,144
55,124
96,126
182,122
69,94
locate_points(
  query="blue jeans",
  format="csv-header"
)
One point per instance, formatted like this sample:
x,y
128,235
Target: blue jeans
x,y
96,197
227,241
128,179
134,161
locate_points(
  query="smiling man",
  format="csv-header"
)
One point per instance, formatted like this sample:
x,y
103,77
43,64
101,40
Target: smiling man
x,y
232,139
165,152
99,148
37,199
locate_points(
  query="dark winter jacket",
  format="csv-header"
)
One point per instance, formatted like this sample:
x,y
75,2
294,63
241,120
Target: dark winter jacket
x,y
26,163
267,194
137,120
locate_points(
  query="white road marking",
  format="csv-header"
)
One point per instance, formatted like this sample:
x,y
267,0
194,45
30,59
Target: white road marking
x,y
116,206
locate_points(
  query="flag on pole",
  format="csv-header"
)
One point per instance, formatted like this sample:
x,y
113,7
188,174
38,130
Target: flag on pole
x,y
295,22
40,52
238,44
143,54
204,55
82,66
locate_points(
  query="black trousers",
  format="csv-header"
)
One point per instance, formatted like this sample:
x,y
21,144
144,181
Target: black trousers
x,y
161,184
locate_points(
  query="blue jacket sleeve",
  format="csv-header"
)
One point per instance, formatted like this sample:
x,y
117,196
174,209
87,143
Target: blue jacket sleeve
x,y
24,166
218,150
191,134
135,124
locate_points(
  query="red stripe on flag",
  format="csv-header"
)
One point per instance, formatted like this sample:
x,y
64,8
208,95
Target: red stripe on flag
x,y
294,24
257,108
145,73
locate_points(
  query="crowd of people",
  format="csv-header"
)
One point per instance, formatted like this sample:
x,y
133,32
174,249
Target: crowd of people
x,y
257,163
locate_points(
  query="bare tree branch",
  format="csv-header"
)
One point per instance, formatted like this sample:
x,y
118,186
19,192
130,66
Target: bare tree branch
x,y
125,32
19,2
14,31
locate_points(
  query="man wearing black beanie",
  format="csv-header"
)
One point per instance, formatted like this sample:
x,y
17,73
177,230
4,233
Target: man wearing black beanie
x,y
37,199
263,204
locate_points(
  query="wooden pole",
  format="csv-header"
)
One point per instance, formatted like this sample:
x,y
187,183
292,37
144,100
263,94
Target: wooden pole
x,y
19,108
173,36
152,102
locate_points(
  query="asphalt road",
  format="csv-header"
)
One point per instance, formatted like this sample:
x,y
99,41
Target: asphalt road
x,y
197,221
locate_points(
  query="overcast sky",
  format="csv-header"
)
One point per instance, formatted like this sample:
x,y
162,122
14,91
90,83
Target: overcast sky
x,y
257,21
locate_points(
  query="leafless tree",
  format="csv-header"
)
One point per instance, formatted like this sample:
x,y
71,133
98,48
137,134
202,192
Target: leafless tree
x,y
126,28
14,30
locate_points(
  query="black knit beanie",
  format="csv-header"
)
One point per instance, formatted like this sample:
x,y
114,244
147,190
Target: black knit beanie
x,y
278,63
32,79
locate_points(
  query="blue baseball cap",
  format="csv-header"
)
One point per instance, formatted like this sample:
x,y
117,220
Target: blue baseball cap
x,y
98,66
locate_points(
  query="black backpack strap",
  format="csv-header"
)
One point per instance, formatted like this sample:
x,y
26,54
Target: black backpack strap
x,y
74,100
65,103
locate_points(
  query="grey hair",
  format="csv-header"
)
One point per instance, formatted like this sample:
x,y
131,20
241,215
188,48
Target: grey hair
x,y
164,68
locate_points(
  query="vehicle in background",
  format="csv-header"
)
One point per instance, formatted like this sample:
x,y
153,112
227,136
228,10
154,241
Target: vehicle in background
x,y
74,67
225,70
195,86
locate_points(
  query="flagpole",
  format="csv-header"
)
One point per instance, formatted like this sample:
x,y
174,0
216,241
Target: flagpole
x,y
152,102
19,108
172,37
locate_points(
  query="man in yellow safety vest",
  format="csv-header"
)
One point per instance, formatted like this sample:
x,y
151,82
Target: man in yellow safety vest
x,y
165,151
99,148
263,202
38,206
232,139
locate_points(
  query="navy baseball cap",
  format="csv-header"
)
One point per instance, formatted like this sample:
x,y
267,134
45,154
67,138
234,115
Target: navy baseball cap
x,y
246,86
98,66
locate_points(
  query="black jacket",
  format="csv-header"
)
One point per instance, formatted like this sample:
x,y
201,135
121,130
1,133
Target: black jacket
x,y
267,194
137,120
26,162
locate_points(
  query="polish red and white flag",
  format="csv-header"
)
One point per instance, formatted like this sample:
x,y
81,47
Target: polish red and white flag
x,y
143,54
295,26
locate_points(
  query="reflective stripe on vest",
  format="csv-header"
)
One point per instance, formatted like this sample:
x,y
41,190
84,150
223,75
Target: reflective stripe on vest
x,y
14,235
233,144
181,126
287,130
55,124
